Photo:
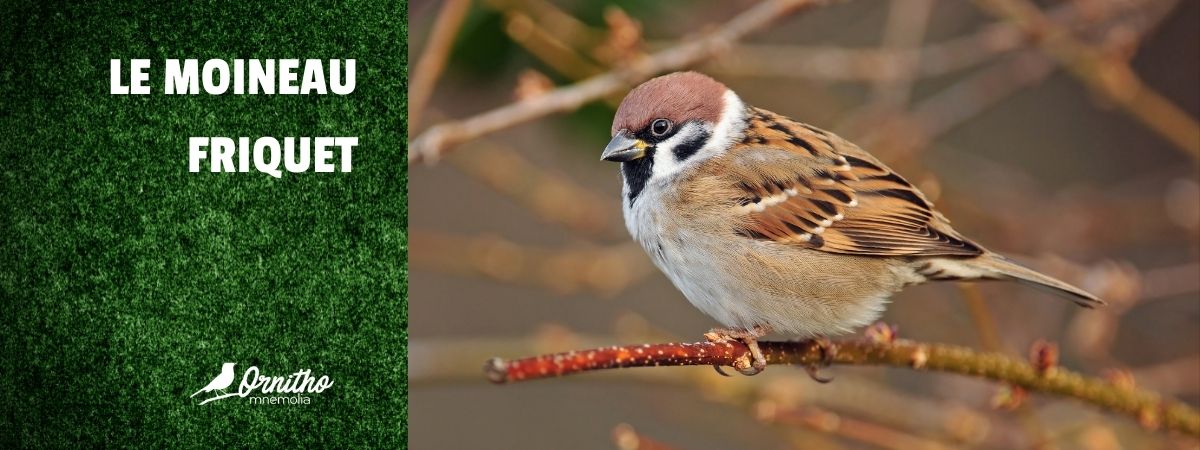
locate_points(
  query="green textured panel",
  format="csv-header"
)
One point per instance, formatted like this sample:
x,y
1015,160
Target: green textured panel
x,y
125,280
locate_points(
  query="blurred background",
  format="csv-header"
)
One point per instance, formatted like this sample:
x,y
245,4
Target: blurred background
x,y
1080,161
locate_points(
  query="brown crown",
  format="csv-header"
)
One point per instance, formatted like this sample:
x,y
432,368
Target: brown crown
x,y
678,97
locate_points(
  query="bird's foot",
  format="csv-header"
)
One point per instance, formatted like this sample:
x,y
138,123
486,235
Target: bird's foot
x,y
751,366
827,350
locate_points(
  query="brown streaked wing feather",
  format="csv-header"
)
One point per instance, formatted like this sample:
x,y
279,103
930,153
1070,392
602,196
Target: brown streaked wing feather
x,y
804,186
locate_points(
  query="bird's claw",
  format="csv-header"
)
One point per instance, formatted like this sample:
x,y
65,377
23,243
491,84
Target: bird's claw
x,y
721,371
825,347
753,365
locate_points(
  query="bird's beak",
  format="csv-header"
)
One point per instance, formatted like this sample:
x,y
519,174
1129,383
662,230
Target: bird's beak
x,y
623,148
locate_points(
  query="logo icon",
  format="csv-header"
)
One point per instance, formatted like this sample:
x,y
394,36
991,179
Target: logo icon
x,y
298,384
221,382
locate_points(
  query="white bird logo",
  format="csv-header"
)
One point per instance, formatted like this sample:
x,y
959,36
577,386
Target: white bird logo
x,y
221,382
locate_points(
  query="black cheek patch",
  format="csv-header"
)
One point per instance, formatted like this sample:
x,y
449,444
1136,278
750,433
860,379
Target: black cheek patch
x,y
689,147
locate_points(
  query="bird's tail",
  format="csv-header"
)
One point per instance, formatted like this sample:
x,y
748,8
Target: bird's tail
x,y
197,393
993,266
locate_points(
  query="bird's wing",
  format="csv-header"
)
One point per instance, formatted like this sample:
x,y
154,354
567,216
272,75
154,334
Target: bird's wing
x,y
799,185
223,381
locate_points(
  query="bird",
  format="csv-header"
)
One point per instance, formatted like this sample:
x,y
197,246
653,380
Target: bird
x,y
221,382
767,224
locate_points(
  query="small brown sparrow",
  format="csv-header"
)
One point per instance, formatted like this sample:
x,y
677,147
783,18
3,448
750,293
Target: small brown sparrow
x,y
768,224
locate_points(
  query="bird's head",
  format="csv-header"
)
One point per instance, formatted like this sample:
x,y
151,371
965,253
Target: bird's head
x,y
671,122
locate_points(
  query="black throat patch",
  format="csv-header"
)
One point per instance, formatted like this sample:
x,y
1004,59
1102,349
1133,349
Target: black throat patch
x,y
637,173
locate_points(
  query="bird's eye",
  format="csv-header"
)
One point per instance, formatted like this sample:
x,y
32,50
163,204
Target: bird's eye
x,y
660,127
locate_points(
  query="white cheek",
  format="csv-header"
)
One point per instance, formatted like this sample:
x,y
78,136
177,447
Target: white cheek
x,y
729,129
665,163
721,136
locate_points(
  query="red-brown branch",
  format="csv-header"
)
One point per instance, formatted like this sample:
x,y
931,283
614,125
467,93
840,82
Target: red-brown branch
x,y
1147,407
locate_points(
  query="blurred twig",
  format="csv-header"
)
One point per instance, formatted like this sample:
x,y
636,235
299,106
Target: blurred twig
x,y
554,20
850,428
904,31
1168,282
430,145
985,326
1103,73
1149,408
433,58
901,134
605,270
956,104
550,196
902,34
1180,376
627,438
1082,220
934,59
547,47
